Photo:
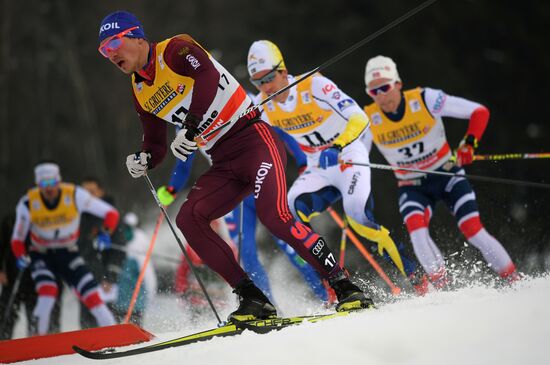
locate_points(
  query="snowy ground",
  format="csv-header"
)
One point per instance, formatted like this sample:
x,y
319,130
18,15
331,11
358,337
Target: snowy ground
x,y
474,325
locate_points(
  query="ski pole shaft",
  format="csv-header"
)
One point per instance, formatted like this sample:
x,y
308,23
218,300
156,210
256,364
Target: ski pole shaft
x,y
187,258
329,62
143,269
451,174
512,156
241,225
11,299
394,289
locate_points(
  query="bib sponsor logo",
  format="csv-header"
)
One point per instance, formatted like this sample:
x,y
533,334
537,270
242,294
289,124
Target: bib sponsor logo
x,y
306,98
160,98
336,95
139,87
161,62
414,105
270,106
208,122
344,104
376,119
260,177
181,88
295,122
193,61
406,132
53,221
108,26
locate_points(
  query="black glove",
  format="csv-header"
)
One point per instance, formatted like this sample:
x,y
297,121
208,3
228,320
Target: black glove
x,y
191,123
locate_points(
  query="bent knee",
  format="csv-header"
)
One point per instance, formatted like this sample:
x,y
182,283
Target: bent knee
x,y
188,215
185,214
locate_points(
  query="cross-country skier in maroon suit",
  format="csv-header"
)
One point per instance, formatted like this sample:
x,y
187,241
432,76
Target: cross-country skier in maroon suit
x,y
176,80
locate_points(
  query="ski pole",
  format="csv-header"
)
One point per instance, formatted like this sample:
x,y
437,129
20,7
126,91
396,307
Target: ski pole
x,y
512,156
342,257
324,65
11,299
452,174
171,225
142,271
240,237
394,289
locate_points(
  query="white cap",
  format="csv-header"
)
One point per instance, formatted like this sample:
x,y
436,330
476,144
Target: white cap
x,y
381,67
46,171
264,55
131,219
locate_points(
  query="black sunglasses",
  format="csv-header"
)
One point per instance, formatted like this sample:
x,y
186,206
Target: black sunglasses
x,y
267,78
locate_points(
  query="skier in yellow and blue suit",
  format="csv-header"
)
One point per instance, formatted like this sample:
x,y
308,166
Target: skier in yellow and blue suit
x,y
328,126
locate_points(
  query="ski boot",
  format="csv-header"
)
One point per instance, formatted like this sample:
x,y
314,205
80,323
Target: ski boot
x,y
253,304
510,274
350,297
419,281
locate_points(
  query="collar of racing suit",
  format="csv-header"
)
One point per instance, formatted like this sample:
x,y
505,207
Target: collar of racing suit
x,y
399,113
147,73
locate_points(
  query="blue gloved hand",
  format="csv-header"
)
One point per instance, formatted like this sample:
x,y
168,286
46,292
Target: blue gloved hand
x,y
329,157
103,240
22,262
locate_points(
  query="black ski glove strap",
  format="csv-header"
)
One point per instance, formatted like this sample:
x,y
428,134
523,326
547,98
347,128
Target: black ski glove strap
x,y
191,123
148,158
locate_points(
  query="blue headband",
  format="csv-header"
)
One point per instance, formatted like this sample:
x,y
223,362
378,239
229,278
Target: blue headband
x,y
120,21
